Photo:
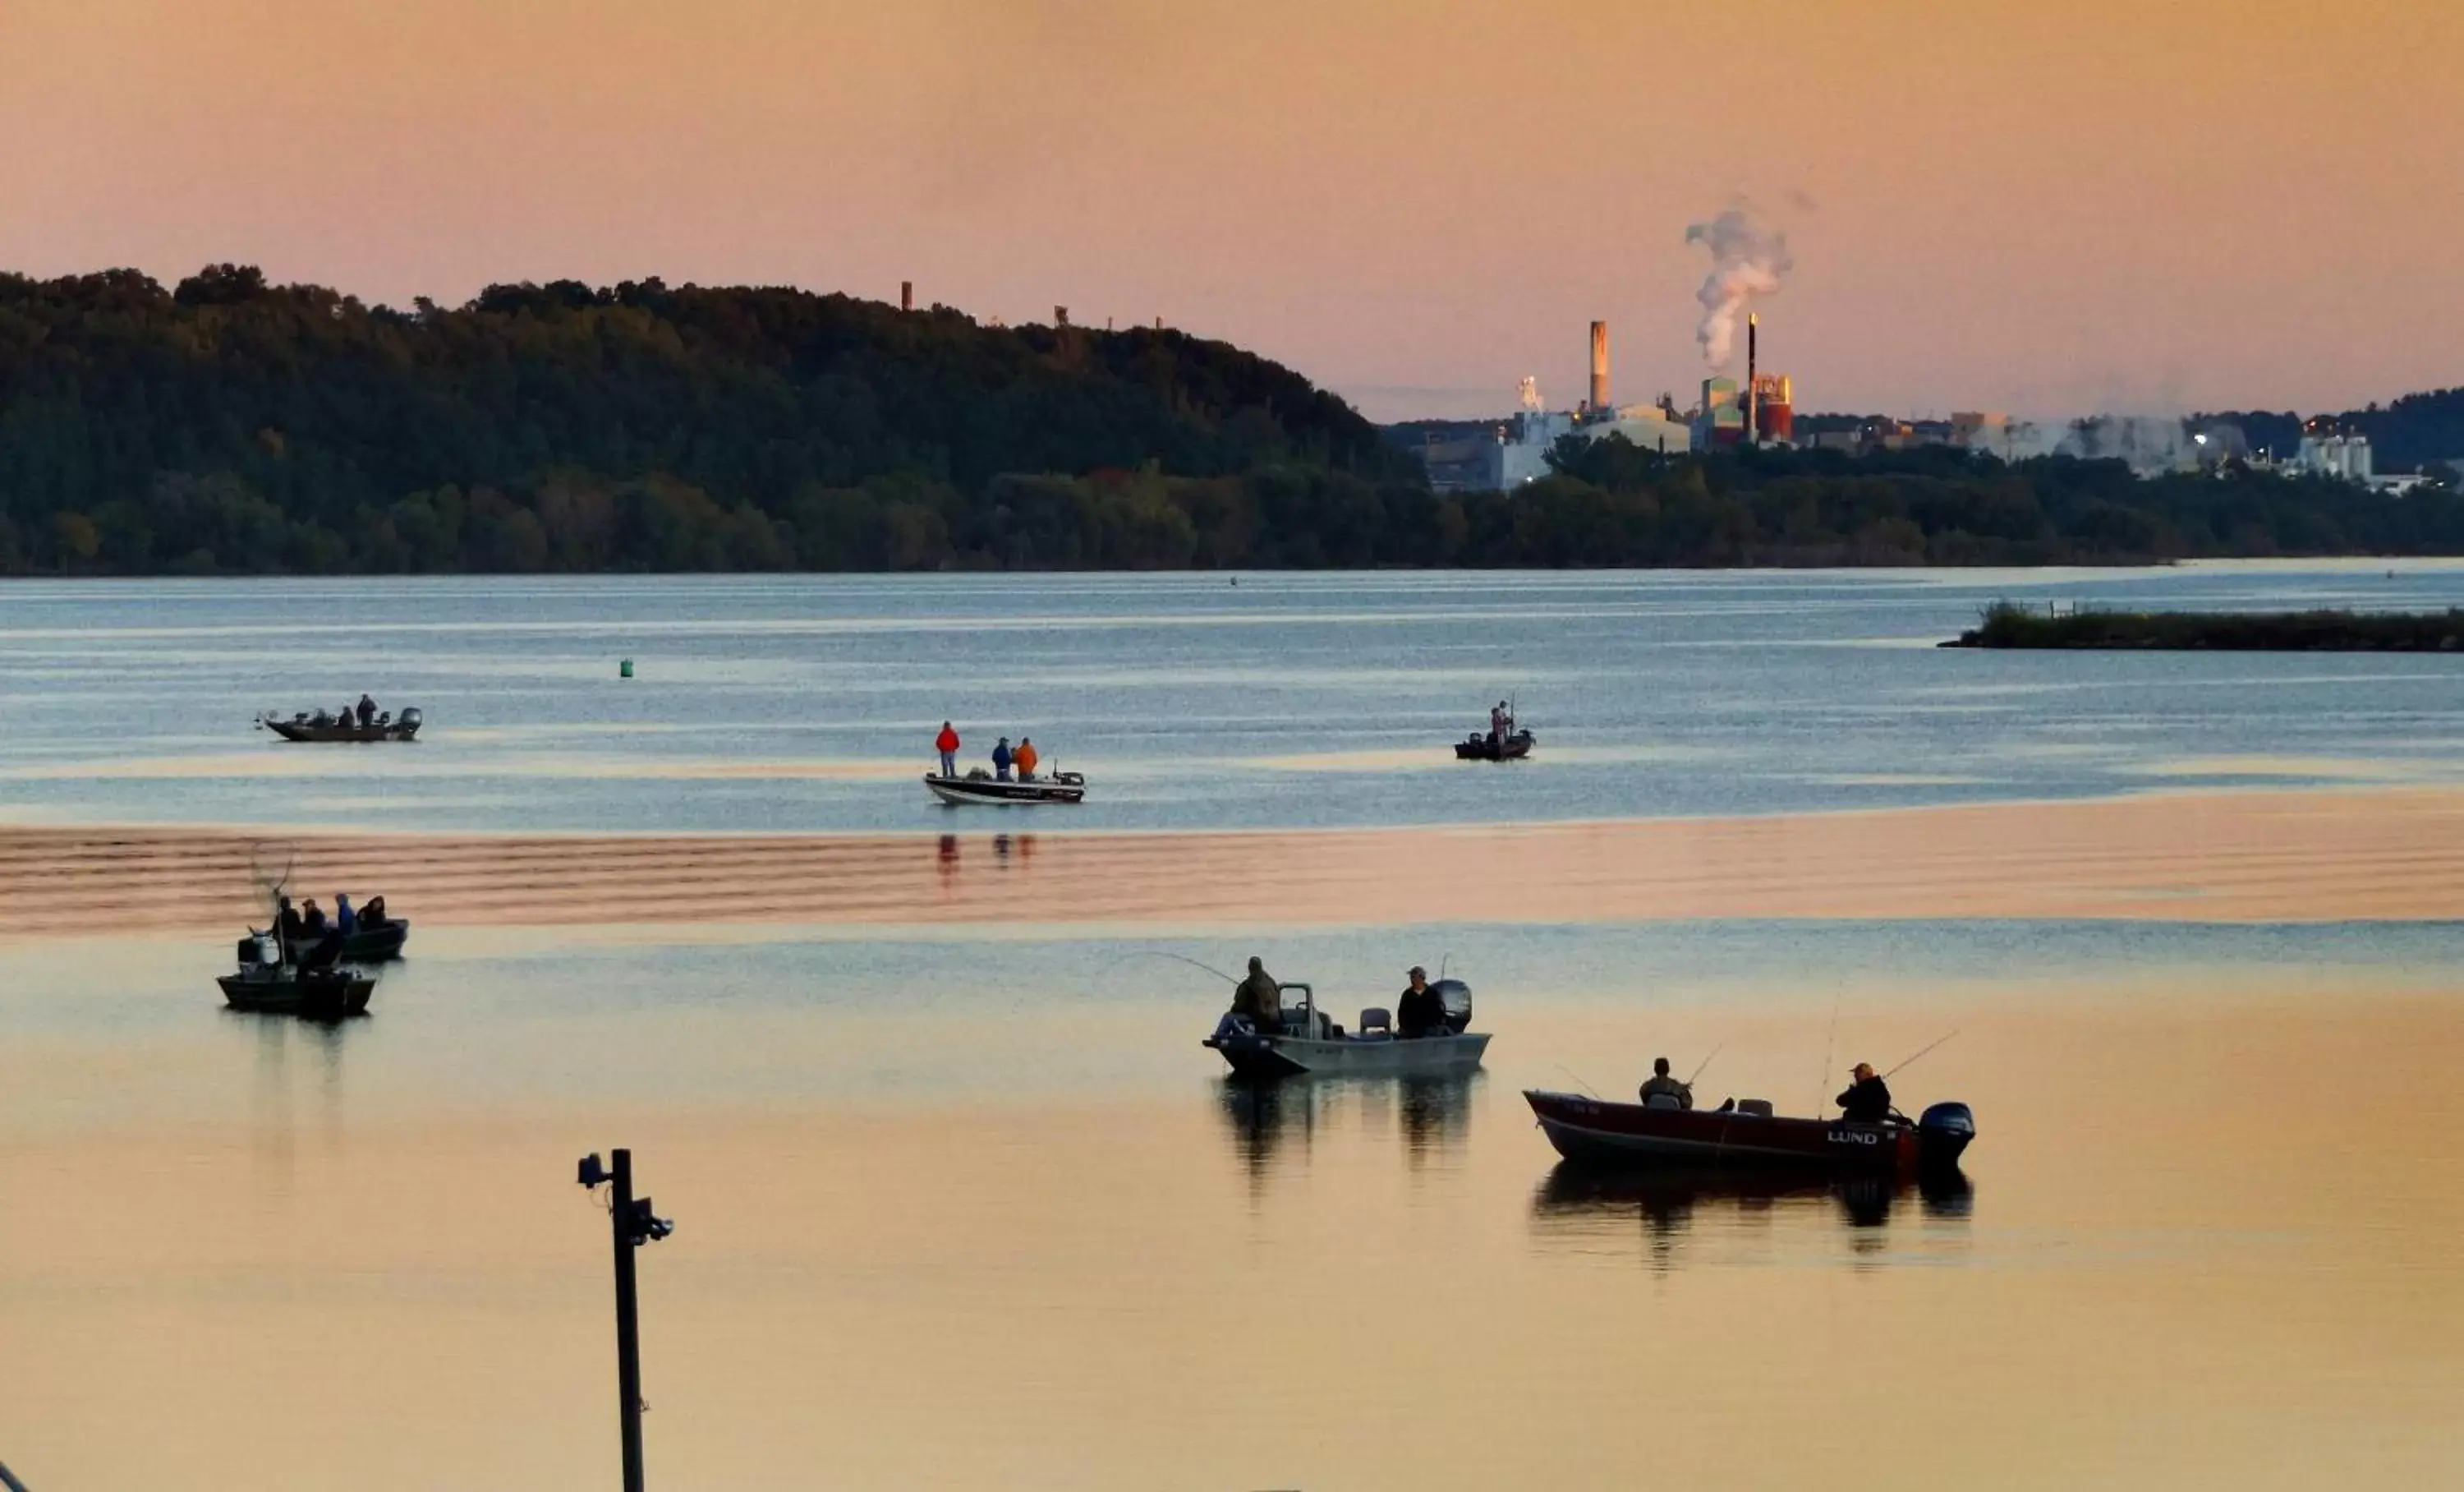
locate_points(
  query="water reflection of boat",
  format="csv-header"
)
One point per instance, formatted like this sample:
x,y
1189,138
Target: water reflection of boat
x,y
1597,1131
1309,1043
1670,1199
1265,1118
1667,1197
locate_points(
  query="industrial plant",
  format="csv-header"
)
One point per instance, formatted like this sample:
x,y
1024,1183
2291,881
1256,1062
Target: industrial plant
x,y
1502,456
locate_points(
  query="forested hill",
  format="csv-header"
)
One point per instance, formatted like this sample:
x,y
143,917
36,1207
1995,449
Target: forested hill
x,y
232,425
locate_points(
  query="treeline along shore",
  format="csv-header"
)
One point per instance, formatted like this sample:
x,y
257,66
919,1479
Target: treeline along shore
x,y
227,425
2007,624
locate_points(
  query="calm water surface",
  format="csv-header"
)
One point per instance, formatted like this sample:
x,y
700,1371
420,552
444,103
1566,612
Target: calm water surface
x,y
972,1208
793,703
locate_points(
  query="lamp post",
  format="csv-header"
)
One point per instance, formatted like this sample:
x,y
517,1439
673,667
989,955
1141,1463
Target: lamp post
x,y
632,1224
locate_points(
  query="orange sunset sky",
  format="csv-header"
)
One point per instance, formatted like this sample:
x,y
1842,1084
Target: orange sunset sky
x,y
2047,206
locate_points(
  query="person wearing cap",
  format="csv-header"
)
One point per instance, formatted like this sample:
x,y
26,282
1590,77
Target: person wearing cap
x,y
1257,1000
1868,1100
1421,1011
1661,1085
946,744
1000,759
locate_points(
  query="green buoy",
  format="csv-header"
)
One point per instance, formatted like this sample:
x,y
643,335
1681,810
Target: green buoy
x,y
625,669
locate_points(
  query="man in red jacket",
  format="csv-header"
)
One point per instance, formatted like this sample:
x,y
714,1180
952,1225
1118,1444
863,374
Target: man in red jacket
x,y
946,744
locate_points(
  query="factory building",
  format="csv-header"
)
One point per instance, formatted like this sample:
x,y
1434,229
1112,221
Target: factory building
x,y
1719,419
1761,412
1774,409
1515,453
2329,452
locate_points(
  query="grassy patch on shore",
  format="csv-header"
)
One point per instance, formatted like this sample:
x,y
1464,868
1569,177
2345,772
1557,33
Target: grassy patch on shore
x,y
2007,624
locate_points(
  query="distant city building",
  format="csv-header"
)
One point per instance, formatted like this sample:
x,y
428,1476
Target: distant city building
x,y
1719,420
1774,411
2328,452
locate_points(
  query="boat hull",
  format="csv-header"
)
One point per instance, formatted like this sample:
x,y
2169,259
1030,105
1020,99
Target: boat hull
x,y
296,731
1478,748
1252,1056
375,946
364,945
1596,1132
319,999
1060,788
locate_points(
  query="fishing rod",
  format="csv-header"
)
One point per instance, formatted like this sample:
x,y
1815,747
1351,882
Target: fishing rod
x,y
1922,1050
1577,1076
1824,1081
1191,963
1705,1062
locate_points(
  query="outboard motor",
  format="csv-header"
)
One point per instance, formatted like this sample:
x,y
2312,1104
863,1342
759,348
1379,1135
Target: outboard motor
x,y
1942,1131
410,719
1456,997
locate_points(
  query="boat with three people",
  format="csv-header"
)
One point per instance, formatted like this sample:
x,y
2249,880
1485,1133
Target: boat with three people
x,y
1305,1041
363,726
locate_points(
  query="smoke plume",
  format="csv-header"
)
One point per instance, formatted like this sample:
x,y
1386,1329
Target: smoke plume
x,y
1747,263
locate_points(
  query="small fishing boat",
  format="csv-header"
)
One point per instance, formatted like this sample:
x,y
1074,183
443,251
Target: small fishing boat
x,y
328,992
1596,1131
982,787
321,726
368,944
1308,1042
1482,747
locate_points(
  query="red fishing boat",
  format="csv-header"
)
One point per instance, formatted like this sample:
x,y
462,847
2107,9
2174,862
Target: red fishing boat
x,y
1595,1131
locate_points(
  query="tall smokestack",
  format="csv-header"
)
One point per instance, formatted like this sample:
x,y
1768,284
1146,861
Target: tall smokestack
x,y
907,295
1753,401
1600,366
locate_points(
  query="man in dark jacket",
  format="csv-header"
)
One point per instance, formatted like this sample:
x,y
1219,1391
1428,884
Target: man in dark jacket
x,y
1258,1000
1868,1100
1661,1085
1422,1011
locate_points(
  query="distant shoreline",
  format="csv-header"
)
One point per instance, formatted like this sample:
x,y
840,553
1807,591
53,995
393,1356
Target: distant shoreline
x,y
2009,624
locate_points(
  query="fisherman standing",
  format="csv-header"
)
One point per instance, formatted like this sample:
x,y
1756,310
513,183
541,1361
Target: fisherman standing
x,y
1001,759
1868,1100
1258,1000
946,744
1024,758
1661,1085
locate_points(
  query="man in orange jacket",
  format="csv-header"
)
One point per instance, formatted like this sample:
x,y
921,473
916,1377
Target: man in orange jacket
x,y
1024,758
946,744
